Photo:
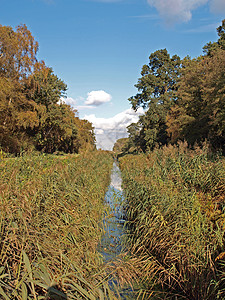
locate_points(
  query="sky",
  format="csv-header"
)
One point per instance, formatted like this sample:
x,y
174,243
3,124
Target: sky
x,y
98,47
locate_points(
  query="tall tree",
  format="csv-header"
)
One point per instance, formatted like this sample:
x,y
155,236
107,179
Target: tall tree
x,y
157,91
17,59
18,51
200,110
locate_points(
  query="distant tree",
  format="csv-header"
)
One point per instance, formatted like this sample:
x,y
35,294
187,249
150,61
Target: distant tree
x,y
120,145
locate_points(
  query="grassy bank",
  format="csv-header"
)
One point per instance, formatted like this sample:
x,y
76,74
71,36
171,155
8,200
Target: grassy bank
x,y
175,209
50,226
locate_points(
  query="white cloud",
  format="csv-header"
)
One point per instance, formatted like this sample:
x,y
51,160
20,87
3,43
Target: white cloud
x,y
109,130
94,98
173,11
97,98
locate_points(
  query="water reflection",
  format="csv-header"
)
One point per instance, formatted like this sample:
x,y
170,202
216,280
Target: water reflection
x,y
113,219
116,180
111,243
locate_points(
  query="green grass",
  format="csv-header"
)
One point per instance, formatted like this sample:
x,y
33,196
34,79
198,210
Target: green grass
x,y
50,226
176,221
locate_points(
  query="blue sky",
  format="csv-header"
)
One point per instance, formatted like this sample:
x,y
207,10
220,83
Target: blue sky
x,y
99,46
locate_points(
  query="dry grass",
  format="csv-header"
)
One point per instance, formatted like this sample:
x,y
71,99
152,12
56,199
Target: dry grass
x,y
50,226
175,210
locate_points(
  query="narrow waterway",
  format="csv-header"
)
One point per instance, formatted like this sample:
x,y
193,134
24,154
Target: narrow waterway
x,y
113,220
114,229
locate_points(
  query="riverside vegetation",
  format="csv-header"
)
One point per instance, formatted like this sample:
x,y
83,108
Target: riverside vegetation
x,y
176,222
50,226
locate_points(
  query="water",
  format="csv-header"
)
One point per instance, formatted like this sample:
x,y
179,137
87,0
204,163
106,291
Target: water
x,y
111,243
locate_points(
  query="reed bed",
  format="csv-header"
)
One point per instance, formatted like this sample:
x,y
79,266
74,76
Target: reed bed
x,y
176,222
50,226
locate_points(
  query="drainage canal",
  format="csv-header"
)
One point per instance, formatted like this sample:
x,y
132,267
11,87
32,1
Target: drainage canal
x,y
113,220
111,242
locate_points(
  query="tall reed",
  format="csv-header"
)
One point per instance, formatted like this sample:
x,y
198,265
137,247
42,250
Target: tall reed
x,y
50,226
176,221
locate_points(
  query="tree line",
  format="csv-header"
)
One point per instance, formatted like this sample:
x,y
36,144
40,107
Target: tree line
x,y
184,99
33,117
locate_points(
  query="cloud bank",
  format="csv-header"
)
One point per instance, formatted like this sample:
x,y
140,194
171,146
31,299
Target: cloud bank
x,y
97,98
109,130
175,11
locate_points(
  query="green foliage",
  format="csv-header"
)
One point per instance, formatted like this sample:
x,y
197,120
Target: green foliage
x,y
153,127
175,210
157,84
199,113
157,90
50,224
44,87
184,99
